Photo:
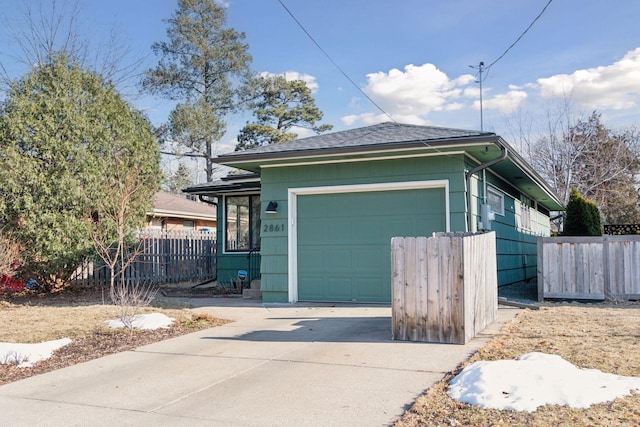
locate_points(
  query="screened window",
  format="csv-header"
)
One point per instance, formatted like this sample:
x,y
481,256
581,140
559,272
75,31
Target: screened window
x,y
242,223
495,199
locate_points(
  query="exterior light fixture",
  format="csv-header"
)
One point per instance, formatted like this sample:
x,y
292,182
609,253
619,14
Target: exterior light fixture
x,y
272,207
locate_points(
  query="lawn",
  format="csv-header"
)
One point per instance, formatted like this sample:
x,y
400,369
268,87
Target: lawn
x,y
81,315
599,336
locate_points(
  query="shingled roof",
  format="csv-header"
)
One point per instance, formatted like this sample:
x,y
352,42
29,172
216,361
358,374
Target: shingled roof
x,y
172,205
376,136
379,140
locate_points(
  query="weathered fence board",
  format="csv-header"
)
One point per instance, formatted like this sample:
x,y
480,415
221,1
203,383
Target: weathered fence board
x,y
163,257
445,288
606,267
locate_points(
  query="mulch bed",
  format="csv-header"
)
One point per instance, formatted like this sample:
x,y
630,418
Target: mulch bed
x,y
98,344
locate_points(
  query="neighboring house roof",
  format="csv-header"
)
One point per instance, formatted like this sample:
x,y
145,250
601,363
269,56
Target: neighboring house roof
x,y
389,140
173,205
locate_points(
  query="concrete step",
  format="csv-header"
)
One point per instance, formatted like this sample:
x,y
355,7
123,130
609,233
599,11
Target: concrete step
x,y
251,294
255,284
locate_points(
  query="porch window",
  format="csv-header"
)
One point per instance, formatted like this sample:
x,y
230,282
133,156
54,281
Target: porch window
x,y
242,223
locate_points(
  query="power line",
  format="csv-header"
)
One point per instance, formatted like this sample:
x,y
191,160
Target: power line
x,y
334,62
481,68
519,37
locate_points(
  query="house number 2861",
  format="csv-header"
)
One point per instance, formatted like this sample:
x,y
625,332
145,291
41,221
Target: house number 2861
x,y
273,228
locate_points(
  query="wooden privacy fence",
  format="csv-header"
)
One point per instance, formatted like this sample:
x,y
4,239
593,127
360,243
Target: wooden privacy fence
x,y
444,288
604,267
164,257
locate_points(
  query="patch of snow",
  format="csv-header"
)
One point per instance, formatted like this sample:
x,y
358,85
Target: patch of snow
x,y
534,380
26,355
144,321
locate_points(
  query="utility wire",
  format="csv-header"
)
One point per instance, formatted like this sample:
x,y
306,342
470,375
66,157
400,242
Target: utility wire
x,y
482,69
334,62
518,39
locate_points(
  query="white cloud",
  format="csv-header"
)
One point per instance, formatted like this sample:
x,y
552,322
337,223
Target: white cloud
x,y
366,118
472,92
454,106
302,132
410,94
310,80
227,145
504,102
615,86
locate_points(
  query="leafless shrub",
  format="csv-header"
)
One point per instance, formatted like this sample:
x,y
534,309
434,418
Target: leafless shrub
x,y
129,298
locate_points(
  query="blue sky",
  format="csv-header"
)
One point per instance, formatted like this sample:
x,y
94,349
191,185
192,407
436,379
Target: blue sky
x,y
413,57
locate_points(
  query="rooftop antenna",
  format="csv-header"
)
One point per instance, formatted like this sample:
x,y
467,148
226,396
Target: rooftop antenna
x,y
480,69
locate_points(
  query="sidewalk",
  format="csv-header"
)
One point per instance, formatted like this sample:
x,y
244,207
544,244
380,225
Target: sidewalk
x,y
273,366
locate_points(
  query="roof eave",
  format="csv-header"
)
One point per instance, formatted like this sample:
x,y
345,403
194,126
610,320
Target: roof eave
x,y
223,189
164,213
524,166
239,159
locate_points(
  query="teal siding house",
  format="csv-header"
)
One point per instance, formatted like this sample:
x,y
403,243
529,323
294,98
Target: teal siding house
x,y
321,211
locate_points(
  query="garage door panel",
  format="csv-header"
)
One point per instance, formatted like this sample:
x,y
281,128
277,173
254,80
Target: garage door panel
x,y
338,288
326,288
338,231
337,260
315,233
370,289
350,244
313,259
312,288
367,257
315,207
368,230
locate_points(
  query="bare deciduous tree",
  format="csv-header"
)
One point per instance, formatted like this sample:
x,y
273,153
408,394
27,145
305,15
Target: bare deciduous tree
x,y
42,30
582,153
130,180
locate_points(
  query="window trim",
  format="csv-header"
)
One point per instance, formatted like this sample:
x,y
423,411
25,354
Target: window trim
x,y
225,249
496,192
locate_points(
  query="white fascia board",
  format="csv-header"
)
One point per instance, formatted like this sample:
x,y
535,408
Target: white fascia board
x,y
360,159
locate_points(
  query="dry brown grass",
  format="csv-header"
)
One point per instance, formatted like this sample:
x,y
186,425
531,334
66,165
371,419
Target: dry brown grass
x,y
594,336
81,316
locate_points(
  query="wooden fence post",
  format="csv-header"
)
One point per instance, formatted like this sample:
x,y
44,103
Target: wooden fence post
x,y
444,288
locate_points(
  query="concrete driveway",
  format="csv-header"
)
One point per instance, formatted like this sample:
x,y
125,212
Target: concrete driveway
x,y
274,366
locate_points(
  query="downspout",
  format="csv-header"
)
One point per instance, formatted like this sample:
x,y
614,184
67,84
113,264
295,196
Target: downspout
x,y
201,197
469,175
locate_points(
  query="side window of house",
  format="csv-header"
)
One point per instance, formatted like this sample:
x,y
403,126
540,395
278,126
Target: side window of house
x,y
242,223
525,212
188,225
495,199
